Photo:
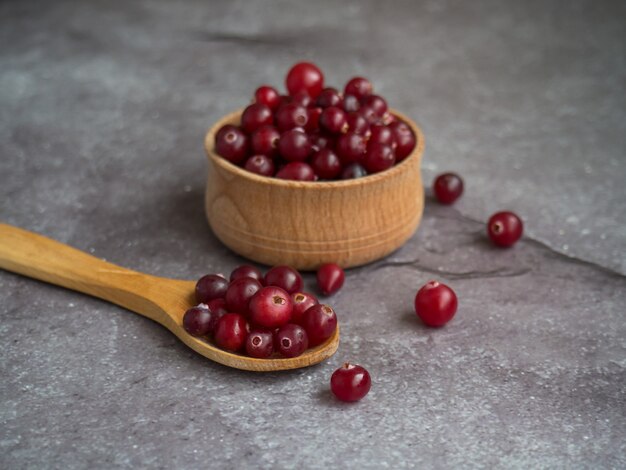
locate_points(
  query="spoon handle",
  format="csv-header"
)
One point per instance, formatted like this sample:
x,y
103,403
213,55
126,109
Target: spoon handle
x,y
38,257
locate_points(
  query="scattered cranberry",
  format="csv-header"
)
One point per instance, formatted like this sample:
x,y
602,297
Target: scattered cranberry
x,y
359,87
302,301
334,120
291,340
239,293
291,115
294,146
268,96
354,170
505,228
231,332
378,158
330,278
261,165
284,277
209,287
306,77
405,139
270,307
298,171
199,320
326,164
351,147
255,116
231,143
260,343
350,382
448,187
435,304
320,322
245,270
265,141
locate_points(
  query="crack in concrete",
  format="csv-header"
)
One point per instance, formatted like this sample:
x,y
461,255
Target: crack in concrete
x,y
414,264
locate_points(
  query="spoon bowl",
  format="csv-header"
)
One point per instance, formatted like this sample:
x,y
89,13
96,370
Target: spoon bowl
x,y
160,299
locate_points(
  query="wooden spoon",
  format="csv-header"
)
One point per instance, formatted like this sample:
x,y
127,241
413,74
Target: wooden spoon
x,y
162,300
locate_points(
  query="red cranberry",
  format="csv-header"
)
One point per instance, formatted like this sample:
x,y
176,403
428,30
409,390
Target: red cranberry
x,y
260,343
358,124
218,307
378,158
359,87
435,303
291,115
334,120
291,340
199,320
505,228
369,114
239,294
268,96
306,77
302,301
326,164
330,278
351,147
294,146
255,116
313,122
302,98
320,322
329,97
231,332
377,103
321,141
405,139
231,143
351,103
284,277
298,171
261,165
448,187
270,307
350,382
382,135
352,171
265,141
209,287
245,270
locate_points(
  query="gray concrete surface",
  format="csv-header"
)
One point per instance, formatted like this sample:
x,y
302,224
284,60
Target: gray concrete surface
x,y
103,106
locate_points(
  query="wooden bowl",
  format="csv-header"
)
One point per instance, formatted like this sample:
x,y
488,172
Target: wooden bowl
x,y
307,223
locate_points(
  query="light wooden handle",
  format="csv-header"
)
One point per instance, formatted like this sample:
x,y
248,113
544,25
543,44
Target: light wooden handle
x,y
35,256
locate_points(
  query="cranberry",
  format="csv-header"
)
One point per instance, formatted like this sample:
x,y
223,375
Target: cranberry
x,y
448,187
231,332
405,139
298,171
382,135
435,303
326,164
377,103
261,165
268,96
199,320
245,270
505,228
369,114
334,120
330,278
321,141
231,143
291,340
329,97
351,103
358,124
350,382
378,158
240,292
260,343
302,98
265,141
291,115
294,146
359,87
302,301
270,307
255,116
320,322
313,122
209,287
218,307
284,277
354,170
306,77
351,147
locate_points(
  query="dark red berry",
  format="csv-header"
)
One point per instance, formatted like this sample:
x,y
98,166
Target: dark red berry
x,y
321,141
358,124
378,158
291,340
320,322
382,135
505,228
352,171
265,141
405,139
270,307
329,97
199,320
261,165
260,343
326,164
231,143
231,332
448,187
284,277
330,278
369,114
268,96
291,115
298,171
302,98
239,293
313,122
435,303
209,287
350,148
334,120
359,87
306,77
350,382
302,301
351,103
245,270
377,103
218,307
294,146
255,116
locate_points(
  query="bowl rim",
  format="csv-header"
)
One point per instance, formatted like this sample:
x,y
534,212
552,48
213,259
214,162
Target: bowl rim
x,y
209,144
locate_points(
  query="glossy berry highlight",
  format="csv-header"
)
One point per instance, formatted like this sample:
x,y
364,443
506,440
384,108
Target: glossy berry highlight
x,y
435,304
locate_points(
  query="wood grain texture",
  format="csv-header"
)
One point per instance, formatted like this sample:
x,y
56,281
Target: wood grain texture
x,y
160,299
306,224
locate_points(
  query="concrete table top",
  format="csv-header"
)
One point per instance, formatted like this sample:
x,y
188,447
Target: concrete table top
x,y
103,108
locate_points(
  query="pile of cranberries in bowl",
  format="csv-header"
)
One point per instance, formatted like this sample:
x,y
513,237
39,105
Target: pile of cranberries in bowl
x,y
263,316
315,132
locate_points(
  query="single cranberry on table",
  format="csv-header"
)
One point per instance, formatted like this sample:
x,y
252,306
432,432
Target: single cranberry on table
x,y
231,332
270,307
320,322
435,304
291,340
505,228
265,141
326,164
284,277
329,97
302,301
268,96
378,158
291,115
334,120
260,343
352,171
305,76
245,270
350,382
239,293
294,145
199,320
232,143
298,171
255,116
448,187
351,147
359,87
330,278
261,165
405,139
209,287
